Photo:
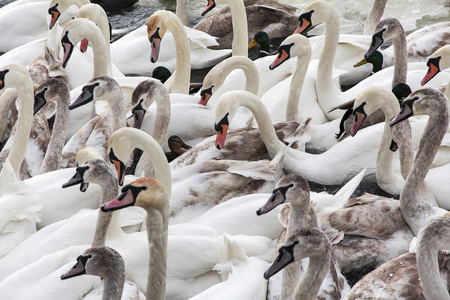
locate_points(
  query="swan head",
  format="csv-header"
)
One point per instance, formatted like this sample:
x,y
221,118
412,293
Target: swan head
x,y
54,13
100,88
157,26
50,90
145,93
438,61
78,30
386,29
426,101
209,6
315,13
94,171
148,193
290,188
99,261
293,45
370,100
13,75
305,242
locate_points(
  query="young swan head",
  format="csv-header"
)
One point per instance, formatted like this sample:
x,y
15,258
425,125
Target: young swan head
x,y
370,100
314,14
143,192
290,188
426,101
100,261
438,61
157,26
97,88
306,242
294,45
94,171
385,30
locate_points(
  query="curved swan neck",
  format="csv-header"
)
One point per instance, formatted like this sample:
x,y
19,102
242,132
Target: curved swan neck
x,y
25,92
97,14
295,88
217,75
430,279
374,16
85,29
113,287
182,10
240,27
268,134
57,139
182,79
157,223
410,200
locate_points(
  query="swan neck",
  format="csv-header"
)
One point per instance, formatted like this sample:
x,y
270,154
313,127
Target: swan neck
x,y
400,58
310,282
295,88
326,61
113,287
240,28
57,139
374,16
267,131
162,119
23,126
157,223
102,57
105,218
117,106
182,78
427,264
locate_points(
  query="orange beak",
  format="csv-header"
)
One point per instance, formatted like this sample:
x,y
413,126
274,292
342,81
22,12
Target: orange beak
x,y
281,57
303,25
221,136
432,71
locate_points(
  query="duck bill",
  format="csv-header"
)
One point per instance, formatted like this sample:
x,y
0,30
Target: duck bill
x,y
274,200
221,136
283,259
361,63
252,44
76,270
432,71
281,58
211,4
123,200
357,122
83,45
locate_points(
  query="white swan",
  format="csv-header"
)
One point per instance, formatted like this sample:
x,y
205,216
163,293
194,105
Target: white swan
x,y
334,166
424,101
131,52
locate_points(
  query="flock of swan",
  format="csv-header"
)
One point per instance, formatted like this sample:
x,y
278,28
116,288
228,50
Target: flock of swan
x,y
160,193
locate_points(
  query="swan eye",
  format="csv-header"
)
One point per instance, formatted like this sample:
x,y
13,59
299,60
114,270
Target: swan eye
x,y
434,61
224,121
